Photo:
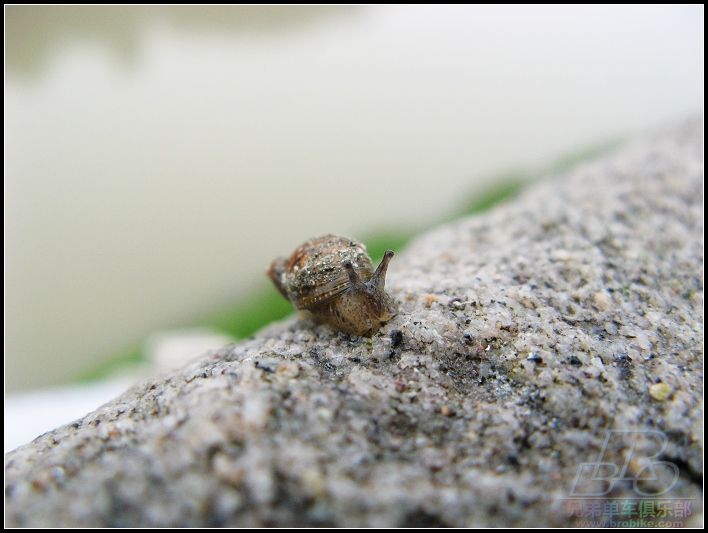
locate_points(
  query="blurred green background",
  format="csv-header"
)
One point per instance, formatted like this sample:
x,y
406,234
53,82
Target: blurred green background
x,y
158,158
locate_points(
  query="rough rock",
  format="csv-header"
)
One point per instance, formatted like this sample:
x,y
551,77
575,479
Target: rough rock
x,y
525,335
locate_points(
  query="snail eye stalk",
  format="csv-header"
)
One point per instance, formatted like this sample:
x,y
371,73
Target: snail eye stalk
x,y
354,278
378,280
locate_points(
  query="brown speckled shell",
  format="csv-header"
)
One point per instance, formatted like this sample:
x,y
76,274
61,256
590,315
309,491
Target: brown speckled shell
x,y
315,279
314,275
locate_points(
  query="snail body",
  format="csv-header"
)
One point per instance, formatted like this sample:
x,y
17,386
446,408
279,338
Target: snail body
x,y
332,278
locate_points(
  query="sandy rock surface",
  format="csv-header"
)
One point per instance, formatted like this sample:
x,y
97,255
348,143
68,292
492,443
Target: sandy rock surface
x,y
537,337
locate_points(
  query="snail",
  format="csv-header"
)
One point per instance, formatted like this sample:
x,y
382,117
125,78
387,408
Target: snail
x,y
333,279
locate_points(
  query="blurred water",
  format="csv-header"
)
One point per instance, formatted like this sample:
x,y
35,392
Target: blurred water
x,y
157,159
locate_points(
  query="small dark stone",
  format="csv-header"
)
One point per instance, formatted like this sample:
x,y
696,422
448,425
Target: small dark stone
x,y
534,357
396,338
264,367
623,361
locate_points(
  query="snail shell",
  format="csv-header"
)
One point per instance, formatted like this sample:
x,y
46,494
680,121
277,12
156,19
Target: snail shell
x,y
333,279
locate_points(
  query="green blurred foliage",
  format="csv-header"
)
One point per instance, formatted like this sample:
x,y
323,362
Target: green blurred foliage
x,y
248,315
125,360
